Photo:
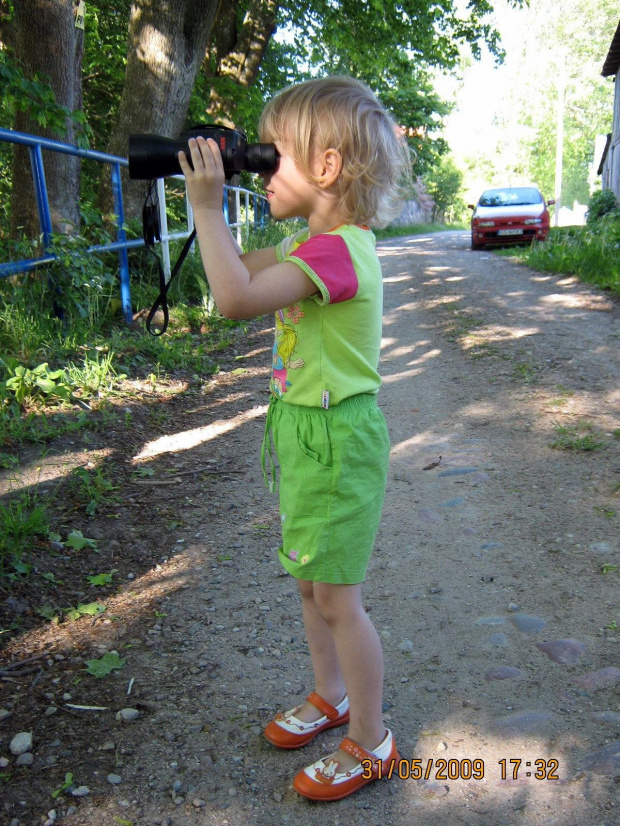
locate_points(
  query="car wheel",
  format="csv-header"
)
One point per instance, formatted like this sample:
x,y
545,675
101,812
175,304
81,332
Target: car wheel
x,y
475,246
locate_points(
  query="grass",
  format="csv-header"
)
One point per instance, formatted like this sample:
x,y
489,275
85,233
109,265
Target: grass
x,y
591,253
579,436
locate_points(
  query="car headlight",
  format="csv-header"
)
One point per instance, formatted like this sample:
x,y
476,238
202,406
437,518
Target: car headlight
x,y
486,223
533,221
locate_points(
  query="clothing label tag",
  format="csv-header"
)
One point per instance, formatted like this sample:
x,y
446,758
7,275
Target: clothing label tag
x,y
79,15
325,401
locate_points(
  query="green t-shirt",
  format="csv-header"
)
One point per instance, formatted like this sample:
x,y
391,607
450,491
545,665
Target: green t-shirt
x,y
327,346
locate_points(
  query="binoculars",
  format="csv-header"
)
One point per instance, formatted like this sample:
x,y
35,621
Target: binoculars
x,y
151,156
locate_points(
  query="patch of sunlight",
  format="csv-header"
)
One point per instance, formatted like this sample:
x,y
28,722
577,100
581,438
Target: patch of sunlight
x,y
187,439
41,470
496,332
396,279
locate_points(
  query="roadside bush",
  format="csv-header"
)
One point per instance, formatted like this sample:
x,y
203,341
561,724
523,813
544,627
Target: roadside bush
x,y
601,203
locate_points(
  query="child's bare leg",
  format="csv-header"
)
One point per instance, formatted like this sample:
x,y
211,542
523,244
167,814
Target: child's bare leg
x,y
328,681
360,658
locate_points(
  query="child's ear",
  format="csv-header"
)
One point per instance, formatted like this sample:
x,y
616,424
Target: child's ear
x,y
329,168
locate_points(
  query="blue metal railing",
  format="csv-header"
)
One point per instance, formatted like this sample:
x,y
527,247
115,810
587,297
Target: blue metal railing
x,y
122,244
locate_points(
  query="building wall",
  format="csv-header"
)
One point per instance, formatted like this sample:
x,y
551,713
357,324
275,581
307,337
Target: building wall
x,y
611,170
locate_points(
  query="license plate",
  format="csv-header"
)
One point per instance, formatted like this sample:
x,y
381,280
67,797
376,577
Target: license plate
x,y
510,232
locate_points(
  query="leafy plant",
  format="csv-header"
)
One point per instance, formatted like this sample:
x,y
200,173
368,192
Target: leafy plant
x,y
105,665
68,782
21,521
92,609
31,384
78,541
601,203
102,579
93,488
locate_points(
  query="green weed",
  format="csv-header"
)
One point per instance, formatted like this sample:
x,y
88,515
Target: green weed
x,y
21,521
578,437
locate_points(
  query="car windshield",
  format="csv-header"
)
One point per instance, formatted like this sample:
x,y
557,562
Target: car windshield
x,y
513,196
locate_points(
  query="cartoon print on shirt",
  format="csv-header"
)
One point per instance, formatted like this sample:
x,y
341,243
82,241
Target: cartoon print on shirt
x,y
283,348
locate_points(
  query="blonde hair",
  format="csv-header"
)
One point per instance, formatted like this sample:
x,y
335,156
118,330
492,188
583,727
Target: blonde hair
x,y
342,113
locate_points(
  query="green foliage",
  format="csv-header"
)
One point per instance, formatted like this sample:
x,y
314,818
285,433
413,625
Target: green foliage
x,y
92,609
105,665
443,185
35,96
601,203
28,385
592,253
21,522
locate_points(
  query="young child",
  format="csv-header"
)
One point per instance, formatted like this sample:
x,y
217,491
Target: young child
x,y
341,159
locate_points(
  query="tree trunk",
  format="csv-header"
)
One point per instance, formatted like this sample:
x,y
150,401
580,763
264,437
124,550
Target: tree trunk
x,y
237,53
47,41
166,46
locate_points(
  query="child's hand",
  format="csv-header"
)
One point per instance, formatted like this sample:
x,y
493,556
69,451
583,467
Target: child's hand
x,y
205,182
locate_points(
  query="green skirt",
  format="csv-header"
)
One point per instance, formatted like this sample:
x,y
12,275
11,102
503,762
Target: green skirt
x,y
333,470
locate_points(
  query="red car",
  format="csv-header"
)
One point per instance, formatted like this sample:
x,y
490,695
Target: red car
x,y
509,215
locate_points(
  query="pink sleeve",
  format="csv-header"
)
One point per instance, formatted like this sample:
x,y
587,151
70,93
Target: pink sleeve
x,y
327,261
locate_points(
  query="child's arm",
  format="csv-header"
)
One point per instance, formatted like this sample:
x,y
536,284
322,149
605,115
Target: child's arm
x,y
242,287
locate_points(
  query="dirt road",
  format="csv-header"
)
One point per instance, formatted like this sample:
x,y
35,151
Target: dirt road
x,y
494,584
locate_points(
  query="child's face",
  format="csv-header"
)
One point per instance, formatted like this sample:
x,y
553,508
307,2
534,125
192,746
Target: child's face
x,y
289,192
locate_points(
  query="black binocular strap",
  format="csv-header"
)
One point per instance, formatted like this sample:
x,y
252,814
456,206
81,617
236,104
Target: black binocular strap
x,y
162,299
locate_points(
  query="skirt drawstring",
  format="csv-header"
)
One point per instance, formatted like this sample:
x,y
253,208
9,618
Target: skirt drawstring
x,y
266,452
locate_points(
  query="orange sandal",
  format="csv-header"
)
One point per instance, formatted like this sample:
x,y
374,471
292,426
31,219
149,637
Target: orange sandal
x,y
287,732
323,781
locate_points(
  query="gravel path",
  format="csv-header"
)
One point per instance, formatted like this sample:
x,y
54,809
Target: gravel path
x,y
494,583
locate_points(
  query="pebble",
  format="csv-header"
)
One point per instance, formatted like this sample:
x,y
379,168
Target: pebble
x,y
4,713
594,680
504,672
80,791
565,652
25,759
524,721
21,743
128,715
429,516
435,789
528,624
499,640
458,471
114,779
605,760
601,548
606,717
406,646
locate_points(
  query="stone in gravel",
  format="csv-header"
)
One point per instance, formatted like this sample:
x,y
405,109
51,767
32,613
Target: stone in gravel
x,y
114,779
524,721
434,789
565,652
594,680
199,803
406,646
80,791
4,713
21,743
606,717
499,640
25,759
601,548
504,672
605,760
429,516
128,715
528,624
458,471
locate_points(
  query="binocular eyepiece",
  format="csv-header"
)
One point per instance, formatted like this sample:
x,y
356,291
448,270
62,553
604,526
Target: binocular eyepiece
x,y
151,156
